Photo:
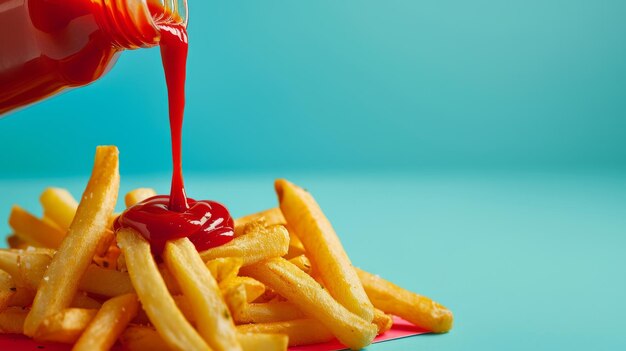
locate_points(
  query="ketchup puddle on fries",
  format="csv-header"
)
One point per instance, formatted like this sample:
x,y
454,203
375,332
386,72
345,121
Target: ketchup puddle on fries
x,y
161,218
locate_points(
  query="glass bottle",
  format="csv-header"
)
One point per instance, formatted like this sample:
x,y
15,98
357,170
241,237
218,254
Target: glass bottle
x,y
48,46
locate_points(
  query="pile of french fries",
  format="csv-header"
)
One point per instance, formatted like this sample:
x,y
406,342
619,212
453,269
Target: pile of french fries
x,y
284,280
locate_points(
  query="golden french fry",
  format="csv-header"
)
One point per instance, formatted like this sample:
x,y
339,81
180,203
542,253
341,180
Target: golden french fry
x,y
15,242
109,259
139,338
213,320
136,196
59,206
106,240
269,296
23,297
323,248
224,268
154,296
268,312
254,247
32,267
34,230
383,321
81,300
302,262
12,320
415,308
8,263
105,282
64,326
108,324
295,246
273,216
265,342
235,298
28,269
170,280
61,280
7,289
300,331
253,288
112,219
312,299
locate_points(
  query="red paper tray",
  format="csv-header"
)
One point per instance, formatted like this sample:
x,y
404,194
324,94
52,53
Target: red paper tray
x,y
400,329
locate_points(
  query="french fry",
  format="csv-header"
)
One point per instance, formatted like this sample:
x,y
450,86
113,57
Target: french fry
x,y
213,319
265,342
383,321
81,300
323,248
64,326
224,268
59,206
28,269
295,246
410,306
154,296
313,300
106,240
269,296
8,263
15,242
235,298
170,280
62,278
105,282
275,311
273,216
23,297
32,267
136,196
112,219
140,338
300,332
302,262
34,230
12,320
254,247
7,289
253,288
108,324
185,307
109,259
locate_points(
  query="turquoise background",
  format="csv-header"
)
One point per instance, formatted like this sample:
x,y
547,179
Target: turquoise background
x,y
347,85
474,152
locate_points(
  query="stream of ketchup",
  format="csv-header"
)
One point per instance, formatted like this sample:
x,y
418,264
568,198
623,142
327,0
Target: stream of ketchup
x,y
161,218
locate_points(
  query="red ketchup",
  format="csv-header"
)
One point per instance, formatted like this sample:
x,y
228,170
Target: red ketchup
x,y
161,218
206,223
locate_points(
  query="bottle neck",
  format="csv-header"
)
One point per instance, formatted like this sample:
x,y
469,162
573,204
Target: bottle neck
x,y
133,24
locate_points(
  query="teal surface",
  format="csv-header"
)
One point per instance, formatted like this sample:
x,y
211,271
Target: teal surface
x,y
524,260
356,84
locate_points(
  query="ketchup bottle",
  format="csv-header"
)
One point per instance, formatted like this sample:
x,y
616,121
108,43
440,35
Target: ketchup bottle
x,y
47,46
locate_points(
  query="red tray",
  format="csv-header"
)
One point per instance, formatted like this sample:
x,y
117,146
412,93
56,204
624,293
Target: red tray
x,y
400,329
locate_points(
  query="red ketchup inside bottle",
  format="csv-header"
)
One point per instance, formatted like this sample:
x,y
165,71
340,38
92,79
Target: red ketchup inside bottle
x,y
161,218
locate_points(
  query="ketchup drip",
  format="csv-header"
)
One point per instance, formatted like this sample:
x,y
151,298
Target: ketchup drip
x,y
161,218
174,48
